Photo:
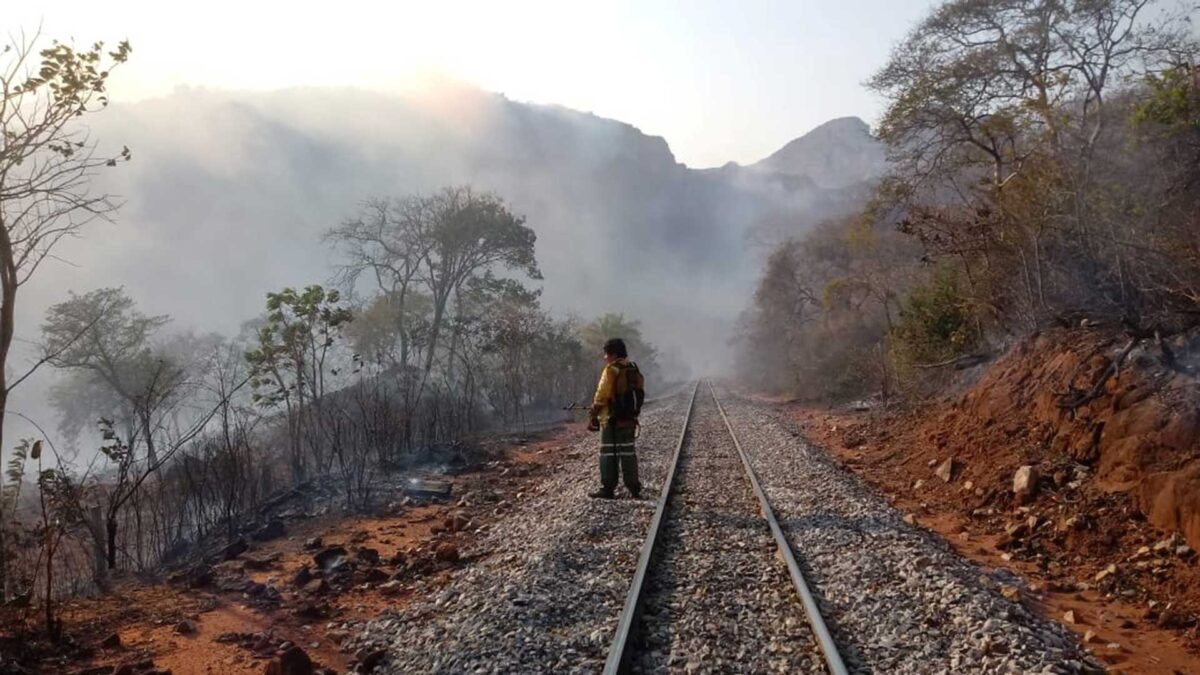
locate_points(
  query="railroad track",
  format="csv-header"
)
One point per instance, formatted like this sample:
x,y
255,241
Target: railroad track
x,y
709,592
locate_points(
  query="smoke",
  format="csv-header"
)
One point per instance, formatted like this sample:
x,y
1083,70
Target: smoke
x,y
228,193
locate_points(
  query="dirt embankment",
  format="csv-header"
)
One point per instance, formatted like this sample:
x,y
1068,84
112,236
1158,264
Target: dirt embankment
x,y
1113,435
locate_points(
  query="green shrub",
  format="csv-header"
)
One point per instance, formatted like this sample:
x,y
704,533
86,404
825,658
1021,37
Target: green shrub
x,y
936,323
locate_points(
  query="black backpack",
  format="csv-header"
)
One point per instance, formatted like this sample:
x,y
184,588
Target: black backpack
x,y
629,392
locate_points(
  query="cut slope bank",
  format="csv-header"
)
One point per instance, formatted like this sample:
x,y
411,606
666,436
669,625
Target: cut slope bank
x,y
1111,426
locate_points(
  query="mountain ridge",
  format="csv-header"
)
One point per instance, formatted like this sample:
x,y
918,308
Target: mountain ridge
x,y
240,185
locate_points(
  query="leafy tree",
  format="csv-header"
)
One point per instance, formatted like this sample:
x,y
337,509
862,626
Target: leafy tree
x,y
115,362
614,325
1009,153
472,235
289,365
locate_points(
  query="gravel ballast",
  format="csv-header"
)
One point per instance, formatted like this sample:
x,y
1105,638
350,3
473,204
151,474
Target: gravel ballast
x,y
897,599
548,590
549,580
717,598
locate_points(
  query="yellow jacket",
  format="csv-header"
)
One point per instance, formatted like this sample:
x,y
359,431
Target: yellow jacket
x,y
605,391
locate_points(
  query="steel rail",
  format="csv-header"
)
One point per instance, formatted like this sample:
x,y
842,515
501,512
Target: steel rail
x,y
616,651
833,658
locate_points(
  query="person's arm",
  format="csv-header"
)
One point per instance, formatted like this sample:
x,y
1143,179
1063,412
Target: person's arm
x,y
604,394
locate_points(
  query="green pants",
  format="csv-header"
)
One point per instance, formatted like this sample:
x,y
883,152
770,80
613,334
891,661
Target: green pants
x,y
617,453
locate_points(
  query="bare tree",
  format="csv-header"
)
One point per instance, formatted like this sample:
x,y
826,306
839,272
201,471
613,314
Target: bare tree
x,y
47,162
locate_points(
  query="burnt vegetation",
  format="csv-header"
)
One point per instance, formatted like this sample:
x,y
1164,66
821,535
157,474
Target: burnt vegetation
x,y
173,443
1042,171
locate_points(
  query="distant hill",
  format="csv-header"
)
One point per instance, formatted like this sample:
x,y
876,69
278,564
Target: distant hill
x,y
838,154
228,194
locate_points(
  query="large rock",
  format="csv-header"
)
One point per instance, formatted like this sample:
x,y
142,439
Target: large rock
x,y
291,662
447,551
945,470
1025,482
369,556
327,557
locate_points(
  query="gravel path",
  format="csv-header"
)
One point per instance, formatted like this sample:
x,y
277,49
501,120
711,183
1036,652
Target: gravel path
x,y
548,593
897,599
718,599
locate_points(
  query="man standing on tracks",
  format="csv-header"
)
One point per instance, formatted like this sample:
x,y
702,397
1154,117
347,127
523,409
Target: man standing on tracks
x,y
615,412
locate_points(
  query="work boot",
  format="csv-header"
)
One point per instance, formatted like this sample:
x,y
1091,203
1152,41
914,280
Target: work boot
x,y
636,494
602,494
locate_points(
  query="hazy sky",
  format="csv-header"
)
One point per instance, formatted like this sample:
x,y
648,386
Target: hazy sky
x,y
720,80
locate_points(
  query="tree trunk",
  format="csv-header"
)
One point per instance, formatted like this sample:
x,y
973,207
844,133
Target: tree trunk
x,y
112,541
95,525
8,301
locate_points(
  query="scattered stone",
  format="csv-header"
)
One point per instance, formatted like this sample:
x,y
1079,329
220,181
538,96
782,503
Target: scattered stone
x,y
368,555
910,519
1169,617
326,558
302,577
1167,544
313,544
375,575
311,611
111,642
447,551
391,587
186,627
531,603
1016,530
1069,617
1105,573
456,522
371,661
316,587
1089,636
1011,592
293,661
946,469
1025,481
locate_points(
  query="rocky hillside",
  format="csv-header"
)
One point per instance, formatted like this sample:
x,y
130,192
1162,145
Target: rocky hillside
x,y
838,154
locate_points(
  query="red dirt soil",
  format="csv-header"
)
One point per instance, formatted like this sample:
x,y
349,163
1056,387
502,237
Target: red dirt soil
x,y
1120,485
